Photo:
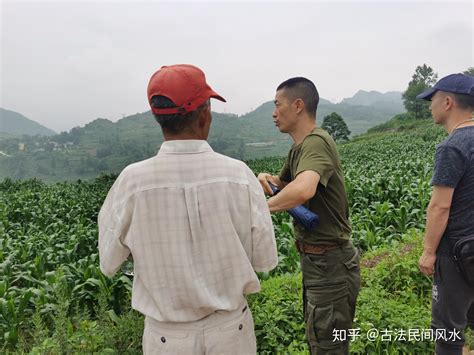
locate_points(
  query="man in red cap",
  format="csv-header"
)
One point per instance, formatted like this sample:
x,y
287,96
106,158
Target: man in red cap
x,y
196,224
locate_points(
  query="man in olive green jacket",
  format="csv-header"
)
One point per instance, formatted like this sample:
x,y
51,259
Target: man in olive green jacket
x,y
312,176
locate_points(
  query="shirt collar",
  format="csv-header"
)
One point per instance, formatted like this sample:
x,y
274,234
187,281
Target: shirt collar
x,y
188,146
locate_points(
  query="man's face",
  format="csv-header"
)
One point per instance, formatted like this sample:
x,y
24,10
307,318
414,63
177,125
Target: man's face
x,y
437,107
284,113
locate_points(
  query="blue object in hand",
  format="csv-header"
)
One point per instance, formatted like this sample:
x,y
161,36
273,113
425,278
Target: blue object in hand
x,y
307,218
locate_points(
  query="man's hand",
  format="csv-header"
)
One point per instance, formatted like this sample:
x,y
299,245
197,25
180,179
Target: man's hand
x,y
265,178
427,262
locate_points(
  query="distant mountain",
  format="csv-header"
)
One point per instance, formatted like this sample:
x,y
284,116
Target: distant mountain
x,y
13,123
367,98
102,146
325,102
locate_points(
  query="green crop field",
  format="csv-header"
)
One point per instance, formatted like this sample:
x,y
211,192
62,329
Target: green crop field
x,y
54,299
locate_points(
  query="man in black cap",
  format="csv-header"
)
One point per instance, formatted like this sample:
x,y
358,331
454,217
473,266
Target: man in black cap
x,y
450,215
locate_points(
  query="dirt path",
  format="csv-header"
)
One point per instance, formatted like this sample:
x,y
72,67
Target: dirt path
x,y
370,263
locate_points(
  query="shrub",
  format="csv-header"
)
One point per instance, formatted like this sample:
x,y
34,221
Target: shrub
x,y
278,315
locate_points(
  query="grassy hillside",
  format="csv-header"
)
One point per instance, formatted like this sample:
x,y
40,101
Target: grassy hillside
x,y
102,146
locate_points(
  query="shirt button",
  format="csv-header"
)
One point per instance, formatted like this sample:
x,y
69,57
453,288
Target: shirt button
x,y
163,339
240,326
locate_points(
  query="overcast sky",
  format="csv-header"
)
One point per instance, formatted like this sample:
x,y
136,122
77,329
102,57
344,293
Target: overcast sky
x,y
63,64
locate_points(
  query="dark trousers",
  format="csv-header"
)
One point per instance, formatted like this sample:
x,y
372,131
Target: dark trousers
x,y
331,283
452,307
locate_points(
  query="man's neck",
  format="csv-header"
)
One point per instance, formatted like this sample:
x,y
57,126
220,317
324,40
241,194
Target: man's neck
x,y
302,131
457,120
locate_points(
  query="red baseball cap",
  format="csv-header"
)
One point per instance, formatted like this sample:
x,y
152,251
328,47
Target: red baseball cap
x,y
184,84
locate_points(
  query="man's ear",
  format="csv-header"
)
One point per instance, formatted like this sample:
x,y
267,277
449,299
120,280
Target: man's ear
x,y
299,105
201,119
204,117
449,103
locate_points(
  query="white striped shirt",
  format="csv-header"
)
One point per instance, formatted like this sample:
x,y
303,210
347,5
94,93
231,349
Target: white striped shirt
x,y
197,225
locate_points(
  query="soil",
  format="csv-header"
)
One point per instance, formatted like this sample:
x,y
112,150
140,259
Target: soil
x,y
370,263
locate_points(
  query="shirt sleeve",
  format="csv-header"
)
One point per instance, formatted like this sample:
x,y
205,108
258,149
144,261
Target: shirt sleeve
x,y
113,221
316,156
450,166
285,173
264,250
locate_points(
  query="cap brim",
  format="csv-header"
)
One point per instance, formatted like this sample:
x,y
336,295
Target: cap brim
x,y
215,95
426,95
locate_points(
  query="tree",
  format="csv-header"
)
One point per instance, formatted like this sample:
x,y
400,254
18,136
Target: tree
x,y
336,127
423,79
469,71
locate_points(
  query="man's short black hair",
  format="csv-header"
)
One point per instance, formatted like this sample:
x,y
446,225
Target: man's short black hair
x,y
174,123
304,89
464,101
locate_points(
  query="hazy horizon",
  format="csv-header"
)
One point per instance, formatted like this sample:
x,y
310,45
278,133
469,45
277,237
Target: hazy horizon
x,y
148,109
